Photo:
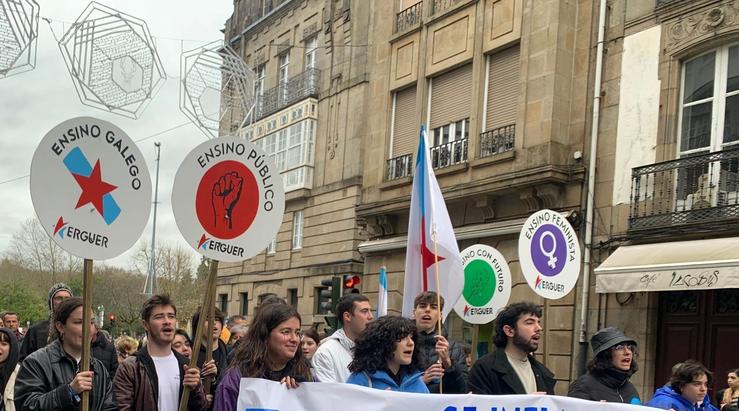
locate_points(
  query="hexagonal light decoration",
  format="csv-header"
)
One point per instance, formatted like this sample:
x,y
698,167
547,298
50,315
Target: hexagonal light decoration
x,y
18,35
217,89
112,60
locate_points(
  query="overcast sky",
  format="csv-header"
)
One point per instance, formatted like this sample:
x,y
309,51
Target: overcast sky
x,y
33,102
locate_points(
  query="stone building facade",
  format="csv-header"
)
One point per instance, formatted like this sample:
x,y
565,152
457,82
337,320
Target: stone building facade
x,y
310,60
506,90
503,87
666,202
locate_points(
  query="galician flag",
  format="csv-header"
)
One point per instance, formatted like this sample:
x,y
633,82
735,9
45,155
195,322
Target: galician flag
x,y
382,294
430,231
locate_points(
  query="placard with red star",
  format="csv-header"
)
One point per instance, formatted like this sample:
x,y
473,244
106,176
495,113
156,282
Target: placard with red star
x,y
90,188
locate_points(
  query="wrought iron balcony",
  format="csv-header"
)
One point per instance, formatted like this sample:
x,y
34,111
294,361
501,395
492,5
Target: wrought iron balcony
x,y
409,17
300,87
449,154
497,140
397,167
692,190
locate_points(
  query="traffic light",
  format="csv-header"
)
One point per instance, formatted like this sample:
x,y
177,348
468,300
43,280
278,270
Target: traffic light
x,y
351,282
329,300
112,320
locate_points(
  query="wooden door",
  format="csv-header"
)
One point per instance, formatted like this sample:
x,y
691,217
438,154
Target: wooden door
x,y
702,325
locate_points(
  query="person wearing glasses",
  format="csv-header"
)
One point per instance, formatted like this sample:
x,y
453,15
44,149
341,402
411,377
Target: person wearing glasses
x,y
687,389
610,370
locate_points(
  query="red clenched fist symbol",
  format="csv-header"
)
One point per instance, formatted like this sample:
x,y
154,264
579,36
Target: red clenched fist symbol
x,y
227,199
226,194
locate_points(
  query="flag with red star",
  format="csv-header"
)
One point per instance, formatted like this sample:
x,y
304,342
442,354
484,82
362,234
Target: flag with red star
x,y
430,231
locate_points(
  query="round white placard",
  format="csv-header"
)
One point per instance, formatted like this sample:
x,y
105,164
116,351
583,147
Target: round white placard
x,y
487,284
550,254
228,199
90,188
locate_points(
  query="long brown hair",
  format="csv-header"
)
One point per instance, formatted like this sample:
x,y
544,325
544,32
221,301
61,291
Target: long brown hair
x,y
252,354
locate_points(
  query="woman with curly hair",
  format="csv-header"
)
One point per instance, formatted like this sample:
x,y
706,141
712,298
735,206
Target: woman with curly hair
x,y
270,350
385,359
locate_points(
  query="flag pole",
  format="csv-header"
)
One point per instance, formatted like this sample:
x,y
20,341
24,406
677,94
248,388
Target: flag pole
x,y
436,261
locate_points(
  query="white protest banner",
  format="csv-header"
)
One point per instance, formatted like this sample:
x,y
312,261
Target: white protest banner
x,y
487,284
263,395
549,254
228,199
91,188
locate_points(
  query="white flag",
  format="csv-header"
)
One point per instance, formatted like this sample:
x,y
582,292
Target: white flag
x,y
431,240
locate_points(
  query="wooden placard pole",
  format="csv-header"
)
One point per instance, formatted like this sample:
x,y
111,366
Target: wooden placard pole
x,y
198,337
86,319
438,299
475,341
209,341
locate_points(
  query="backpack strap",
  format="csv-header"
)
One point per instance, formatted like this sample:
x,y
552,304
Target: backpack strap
x,y
369,380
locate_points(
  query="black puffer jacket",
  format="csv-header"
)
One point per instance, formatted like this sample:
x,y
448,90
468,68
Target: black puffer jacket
x,y
103,350
610,385
36,337
455,378
44,377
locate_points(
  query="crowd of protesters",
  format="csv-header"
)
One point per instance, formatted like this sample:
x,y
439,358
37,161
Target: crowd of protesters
x,y
40,370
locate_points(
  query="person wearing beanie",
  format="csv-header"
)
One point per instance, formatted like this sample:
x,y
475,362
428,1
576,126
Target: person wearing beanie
x,y
38,334
609,371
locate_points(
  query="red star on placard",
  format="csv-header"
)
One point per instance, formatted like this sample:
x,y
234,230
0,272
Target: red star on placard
x,y
93,188
428,258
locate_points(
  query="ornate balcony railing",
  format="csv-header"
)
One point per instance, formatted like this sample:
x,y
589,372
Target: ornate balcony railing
x,y
398,167
449,154
409,17
497,140
302,86
702,188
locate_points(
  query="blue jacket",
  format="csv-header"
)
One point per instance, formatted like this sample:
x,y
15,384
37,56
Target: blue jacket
x,y
380,380
667,398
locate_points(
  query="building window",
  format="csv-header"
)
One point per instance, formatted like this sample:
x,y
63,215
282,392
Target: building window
x,y
311,45
272,246
297,230
709,121
292,297
320,308
283,76
710,101
291,149
223,303
449,144
259,81
244,303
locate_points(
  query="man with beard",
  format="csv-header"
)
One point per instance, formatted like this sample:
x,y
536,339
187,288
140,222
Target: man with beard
x,y
441,357
512,368
154,376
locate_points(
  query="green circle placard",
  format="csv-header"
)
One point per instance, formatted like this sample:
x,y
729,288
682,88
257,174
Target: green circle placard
x,y
487,284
